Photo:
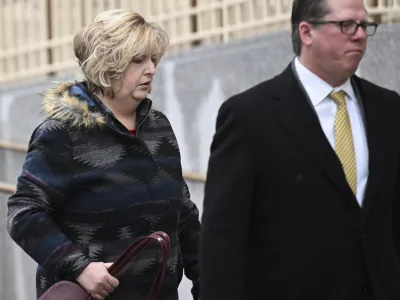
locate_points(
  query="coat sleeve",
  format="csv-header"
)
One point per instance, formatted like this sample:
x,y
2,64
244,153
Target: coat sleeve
x,y
41,193
188,227
396,211
225,220
189,237
396,199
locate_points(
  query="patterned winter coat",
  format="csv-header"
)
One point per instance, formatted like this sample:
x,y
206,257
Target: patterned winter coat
x,y
89,187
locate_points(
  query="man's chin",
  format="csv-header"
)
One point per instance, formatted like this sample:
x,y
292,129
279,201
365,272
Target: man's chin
x,y
352,68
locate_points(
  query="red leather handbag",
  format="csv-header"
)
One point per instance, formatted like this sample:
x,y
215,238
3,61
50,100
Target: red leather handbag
x,y
68,290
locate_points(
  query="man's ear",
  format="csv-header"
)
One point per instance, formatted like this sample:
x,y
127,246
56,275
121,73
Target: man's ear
x,y
306,33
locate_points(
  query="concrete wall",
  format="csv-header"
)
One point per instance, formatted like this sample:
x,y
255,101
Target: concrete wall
x,y
189,88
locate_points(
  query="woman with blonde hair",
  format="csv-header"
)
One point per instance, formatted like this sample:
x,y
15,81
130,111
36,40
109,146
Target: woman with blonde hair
x,y
104,169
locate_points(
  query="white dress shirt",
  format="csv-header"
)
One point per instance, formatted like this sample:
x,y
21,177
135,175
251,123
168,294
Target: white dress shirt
x,y
318,91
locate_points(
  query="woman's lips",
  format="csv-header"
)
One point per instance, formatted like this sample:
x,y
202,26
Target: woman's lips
x,y
146,84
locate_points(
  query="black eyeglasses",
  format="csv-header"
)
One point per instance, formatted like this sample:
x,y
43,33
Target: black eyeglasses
x,y
351,27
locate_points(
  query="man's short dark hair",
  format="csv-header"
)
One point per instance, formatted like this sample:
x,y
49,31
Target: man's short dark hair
x,y
305,10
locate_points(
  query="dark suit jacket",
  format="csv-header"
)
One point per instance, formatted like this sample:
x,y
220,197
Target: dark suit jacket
x,y
279,219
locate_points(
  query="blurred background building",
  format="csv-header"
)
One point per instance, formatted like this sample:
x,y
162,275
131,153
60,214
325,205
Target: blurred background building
x,y
218,48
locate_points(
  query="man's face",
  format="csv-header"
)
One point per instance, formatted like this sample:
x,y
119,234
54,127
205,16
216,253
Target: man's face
x,y
333,50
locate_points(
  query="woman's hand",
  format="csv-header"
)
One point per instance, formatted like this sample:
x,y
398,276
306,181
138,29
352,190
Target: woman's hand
x,y
96,280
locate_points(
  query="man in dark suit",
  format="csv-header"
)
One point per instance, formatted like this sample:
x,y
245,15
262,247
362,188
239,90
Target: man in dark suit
x,y
303,174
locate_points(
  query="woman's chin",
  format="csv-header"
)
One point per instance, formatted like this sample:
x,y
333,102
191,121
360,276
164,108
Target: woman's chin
x,y
139,96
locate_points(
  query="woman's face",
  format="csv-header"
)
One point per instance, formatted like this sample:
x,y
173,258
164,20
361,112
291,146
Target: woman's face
x,y
136,81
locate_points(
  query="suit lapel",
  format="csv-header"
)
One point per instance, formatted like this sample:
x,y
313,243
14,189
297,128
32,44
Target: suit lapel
x,y
374,132
300,121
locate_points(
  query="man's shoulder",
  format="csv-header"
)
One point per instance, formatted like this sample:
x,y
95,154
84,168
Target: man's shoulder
x,y
388,99
252,97
369,86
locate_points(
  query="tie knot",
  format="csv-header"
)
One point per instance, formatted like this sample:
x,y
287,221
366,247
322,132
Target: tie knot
x,y
339,97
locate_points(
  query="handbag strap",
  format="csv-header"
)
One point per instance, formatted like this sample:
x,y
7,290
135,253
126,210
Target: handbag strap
x,y
134,249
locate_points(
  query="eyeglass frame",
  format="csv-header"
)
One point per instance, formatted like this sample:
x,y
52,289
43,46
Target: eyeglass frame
x,y
362,24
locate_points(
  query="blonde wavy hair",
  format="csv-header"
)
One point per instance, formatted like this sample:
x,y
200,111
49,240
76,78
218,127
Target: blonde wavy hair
x,y
105,48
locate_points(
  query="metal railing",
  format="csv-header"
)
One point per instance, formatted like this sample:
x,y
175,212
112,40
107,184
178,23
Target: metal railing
x,y
36,35
18,147
7,188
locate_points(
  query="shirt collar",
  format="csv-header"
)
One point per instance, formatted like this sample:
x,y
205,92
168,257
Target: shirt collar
x,y
316,88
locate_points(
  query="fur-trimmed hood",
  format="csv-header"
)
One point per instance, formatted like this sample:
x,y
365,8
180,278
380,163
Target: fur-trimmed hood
x,y
70,102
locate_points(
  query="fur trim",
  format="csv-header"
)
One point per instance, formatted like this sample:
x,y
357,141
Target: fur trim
x,y
58,104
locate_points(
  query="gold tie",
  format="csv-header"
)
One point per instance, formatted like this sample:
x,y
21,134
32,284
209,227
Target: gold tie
x,y
344,140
